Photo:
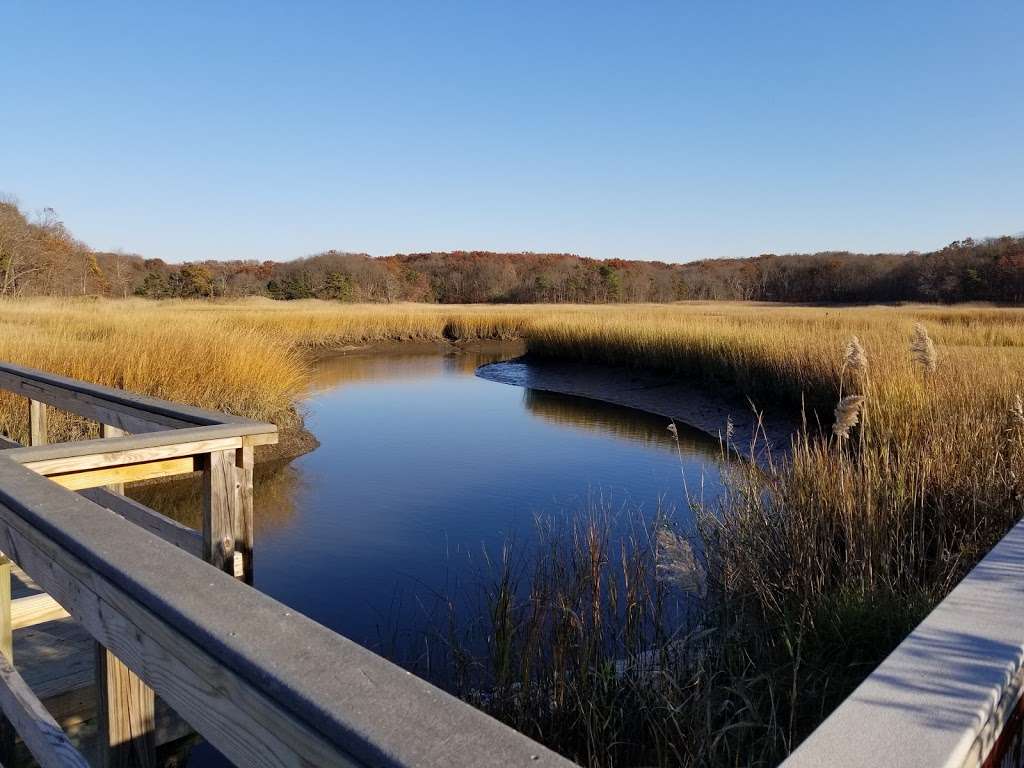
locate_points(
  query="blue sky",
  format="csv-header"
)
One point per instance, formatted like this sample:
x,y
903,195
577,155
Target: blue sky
x,y
665,131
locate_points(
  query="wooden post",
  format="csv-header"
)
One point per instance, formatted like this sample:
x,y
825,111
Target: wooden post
x,y
221,509
7,735
125,715
37,423
246,535
107,430
126,724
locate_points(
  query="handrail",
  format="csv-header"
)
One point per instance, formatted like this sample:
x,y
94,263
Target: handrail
x,y
949,696
40,384
264,684
130,443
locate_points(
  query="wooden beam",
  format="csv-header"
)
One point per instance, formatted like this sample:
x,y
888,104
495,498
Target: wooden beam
x,y
245,533
220,509
107,431
125,715
44,738
75,394
264,438
37,427
105,454
88,405
167,529
147,470
35,609
6,627
7,729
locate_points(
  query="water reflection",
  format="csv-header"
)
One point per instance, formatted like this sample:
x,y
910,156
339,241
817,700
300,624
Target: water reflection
x,y
277,489
337,370
617,421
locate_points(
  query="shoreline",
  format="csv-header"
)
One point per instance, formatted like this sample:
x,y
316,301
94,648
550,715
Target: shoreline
x,y
692,404
678,400
296,440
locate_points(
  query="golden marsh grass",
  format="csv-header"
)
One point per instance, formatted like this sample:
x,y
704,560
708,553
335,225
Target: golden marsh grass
x,y
816,566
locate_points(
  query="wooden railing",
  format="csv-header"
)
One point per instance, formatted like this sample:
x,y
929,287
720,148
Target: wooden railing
x,y
264,684
950,695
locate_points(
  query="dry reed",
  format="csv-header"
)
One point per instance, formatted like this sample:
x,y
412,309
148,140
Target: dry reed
x,y
814,567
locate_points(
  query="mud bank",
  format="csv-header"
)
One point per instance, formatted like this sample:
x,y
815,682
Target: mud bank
x,y
707,410
293,440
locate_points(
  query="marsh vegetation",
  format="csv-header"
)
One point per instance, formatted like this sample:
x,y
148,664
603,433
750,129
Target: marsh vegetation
x,y
814,565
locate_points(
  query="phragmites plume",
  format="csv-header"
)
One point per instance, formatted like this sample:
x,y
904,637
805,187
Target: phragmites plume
x,y
1017,413
847,415
855,359
923,349
676,562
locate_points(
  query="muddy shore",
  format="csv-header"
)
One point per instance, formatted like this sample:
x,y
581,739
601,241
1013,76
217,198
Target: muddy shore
x,y
707,410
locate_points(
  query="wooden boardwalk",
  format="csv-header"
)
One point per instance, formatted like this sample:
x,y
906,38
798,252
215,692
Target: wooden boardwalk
x,y
122,630
57,659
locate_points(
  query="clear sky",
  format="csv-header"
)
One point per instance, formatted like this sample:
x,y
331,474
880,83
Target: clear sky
x,y
665,131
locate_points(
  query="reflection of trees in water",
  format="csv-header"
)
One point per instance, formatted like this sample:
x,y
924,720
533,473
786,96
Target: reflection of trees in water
x,y
336,370
275,490
617,421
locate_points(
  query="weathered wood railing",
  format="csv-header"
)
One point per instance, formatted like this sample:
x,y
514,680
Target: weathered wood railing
x,y
262,683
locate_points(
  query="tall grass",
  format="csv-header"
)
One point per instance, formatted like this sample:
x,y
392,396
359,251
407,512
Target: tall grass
x,y
819,563
816,564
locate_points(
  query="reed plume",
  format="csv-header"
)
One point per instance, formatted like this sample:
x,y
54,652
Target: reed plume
x,y
847,415
923,349
676,562
1017,413
855,360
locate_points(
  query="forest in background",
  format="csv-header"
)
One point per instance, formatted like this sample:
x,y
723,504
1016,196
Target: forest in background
x,y
40,257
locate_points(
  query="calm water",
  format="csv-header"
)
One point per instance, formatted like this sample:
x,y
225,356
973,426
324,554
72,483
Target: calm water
x,y
423,466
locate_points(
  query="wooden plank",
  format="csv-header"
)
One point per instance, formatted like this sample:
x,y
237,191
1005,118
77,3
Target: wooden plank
x,y
108,431
35,609
37,423
147,470
36,727
125,715
167,529
90,406
6,626
56,657
106,454
58,662
25,380
264,438
7,727
245,533
263,684
220,509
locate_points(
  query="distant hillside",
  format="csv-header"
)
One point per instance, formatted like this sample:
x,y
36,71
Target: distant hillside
x,y
38,256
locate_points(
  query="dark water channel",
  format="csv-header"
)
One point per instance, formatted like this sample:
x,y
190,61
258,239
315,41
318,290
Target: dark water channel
x,y
424,466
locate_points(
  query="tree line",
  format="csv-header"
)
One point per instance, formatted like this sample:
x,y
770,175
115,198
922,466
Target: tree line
x,y
39,257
